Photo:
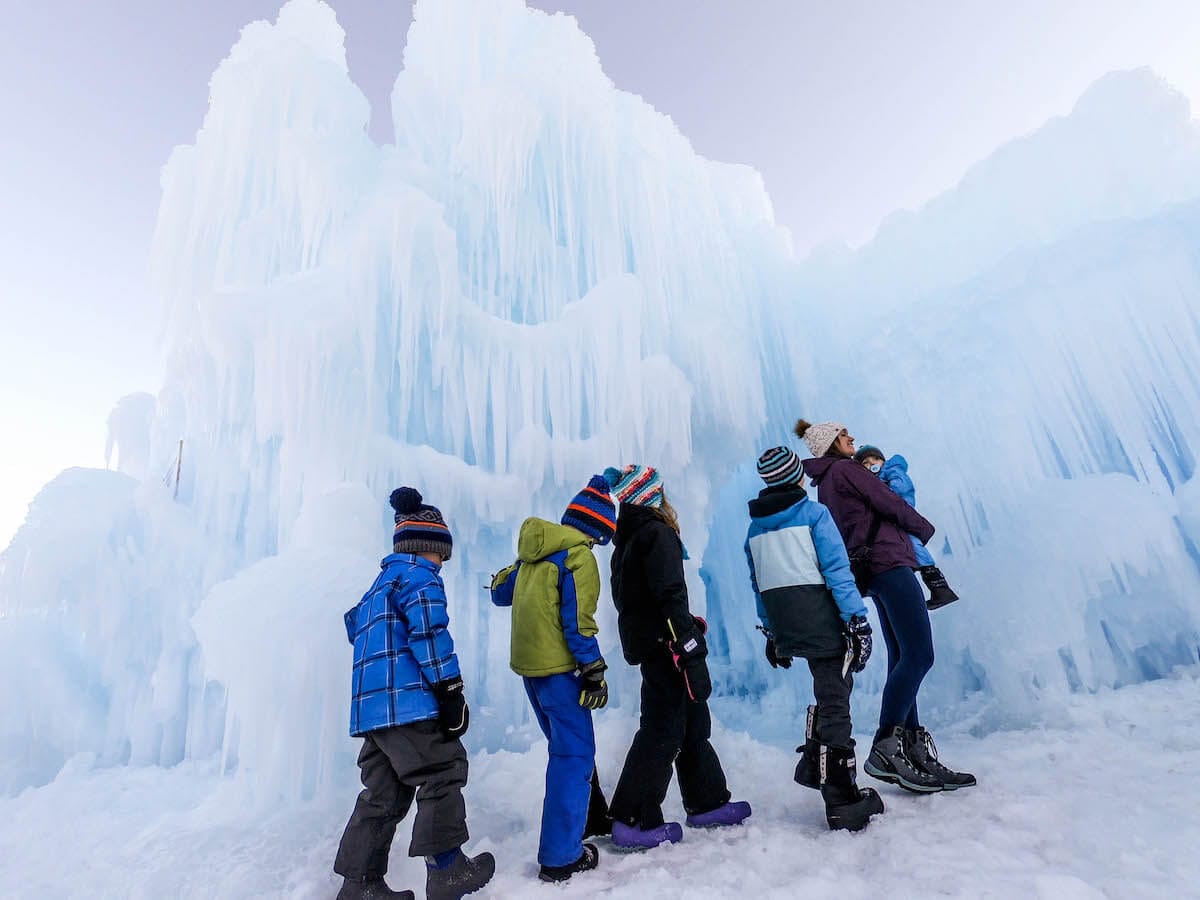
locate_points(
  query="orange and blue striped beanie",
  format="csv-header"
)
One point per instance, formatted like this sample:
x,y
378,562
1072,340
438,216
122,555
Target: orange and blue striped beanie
x,y
636,485
593,511
419,527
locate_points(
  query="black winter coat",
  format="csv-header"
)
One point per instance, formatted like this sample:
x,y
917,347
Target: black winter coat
x,y
648,586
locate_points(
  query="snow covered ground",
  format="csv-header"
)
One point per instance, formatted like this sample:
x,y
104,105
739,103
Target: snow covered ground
x,y
1102,807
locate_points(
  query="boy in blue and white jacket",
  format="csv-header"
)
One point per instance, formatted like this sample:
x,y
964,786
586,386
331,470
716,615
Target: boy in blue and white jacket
x,y
894,473
810,607
407,705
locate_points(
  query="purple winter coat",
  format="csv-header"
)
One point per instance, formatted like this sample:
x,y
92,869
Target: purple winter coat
x,y
852,495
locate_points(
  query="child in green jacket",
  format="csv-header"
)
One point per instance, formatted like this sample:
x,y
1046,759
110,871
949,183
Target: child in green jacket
x,y
553,589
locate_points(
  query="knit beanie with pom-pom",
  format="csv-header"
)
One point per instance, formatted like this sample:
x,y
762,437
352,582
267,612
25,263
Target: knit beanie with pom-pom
x,y
818,437
419,527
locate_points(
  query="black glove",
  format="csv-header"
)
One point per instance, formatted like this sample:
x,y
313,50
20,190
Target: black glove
x,y
593,692
689,653
773,657
453,713
858,644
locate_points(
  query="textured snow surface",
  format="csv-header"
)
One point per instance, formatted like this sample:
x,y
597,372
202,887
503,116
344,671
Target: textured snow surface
x,y
1100,805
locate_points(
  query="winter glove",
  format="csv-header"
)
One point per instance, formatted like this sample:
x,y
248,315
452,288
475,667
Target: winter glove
x,y
701,624
773,657
453,714
688,654
594,689
858,644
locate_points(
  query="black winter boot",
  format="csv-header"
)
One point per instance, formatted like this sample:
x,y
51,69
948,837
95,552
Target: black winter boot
x,y
599,821
465,875
847,806
940,592
588,860
808,772
923,753
371,889
889,762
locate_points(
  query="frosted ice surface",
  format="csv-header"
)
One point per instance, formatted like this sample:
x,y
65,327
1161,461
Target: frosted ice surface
x,y
541,278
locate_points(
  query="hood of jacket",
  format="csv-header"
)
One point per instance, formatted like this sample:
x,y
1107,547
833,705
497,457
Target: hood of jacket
x,y
815,467
539,539
895,463
774,500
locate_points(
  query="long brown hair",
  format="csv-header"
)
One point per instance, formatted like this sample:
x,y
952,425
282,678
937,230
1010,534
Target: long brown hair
x,y
667,513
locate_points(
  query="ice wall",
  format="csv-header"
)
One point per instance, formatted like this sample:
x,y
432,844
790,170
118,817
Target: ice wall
x,y
541,278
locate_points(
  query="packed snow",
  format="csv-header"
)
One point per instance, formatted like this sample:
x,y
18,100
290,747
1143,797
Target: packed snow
x,y
541,278
1100,804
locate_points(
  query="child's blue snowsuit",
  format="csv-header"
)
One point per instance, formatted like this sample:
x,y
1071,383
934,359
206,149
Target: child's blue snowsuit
x,y
895,475
555,696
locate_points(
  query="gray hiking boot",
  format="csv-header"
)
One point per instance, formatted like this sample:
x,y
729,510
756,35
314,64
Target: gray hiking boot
x,y
923,753
889,762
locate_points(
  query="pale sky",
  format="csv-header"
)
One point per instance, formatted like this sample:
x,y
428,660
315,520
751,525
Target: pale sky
x,y
850,110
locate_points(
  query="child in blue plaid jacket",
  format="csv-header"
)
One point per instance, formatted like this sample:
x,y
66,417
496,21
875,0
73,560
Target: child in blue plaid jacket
x,y
408,707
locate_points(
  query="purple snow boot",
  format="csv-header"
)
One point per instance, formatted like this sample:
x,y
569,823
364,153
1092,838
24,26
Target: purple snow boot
x,y
630,837
733,813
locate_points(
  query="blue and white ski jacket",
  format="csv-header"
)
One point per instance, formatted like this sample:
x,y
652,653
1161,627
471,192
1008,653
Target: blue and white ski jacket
x,y
800,573
895,475
402,645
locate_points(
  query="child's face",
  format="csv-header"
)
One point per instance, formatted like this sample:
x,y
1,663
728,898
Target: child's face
x,y
873,464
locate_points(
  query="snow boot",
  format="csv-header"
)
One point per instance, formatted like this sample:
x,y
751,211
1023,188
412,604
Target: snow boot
x,y
808,772
940,592
734,812
371,889
889,762
465,875
599,821
630,837
923,753
588,860
847,806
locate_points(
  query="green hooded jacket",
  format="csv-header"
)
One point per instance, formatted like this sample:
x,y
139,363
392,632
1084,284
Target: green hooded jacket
x,y
553,624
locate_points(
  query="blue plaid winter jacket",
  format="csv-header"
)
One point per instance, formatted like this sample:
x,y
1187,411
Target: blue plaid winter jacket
x,y
402,645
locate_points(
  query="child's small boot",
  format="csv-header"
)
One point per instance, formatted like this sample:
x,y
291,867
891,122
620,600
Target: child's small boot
x,y
371,889
464,875
940,592
631,837
588,860
847,806
808,772
732,813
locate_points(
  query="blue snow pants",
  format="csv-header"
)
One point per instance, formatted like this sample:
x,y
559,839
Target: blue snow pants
x,y
904,621
568,729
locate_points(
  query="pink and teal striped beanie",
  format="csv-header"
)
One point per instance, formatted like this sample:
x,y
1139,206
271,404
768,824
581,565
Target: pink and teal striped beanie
x,y
636,485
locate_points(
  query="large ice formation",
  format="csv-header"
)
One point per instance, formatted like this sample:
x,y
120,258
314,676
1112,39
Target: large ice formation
x,y
541,278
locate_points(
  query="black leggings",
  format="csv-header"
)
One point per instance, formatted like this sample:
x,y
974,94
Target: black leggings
x,y
904,621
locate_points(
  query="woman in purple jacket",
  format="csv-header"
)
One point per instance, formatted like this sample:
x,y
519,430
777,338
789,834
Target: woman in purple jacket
x,y
875,524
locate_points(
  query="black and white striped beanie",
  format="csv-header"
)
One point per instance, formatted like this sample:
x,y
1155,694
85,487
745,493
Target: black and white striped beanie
x,y
779,466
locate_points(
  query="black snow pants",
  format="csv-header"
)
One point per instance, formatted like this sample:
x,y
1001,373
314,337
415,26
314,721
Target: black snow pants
x,y
832,692
398,764
673,731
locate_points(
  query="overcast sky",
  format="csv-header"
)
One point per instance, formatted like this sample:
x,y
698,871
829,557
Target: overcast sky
x,y
850,110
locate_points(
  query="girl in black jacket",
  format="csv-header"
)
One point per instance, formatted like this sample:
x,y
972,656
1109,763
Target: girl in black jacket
x,y
660,634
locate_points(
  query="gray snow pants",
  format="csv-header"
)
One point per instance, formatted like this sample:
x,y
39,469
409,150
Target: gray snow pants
x,y
398,764
832,692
